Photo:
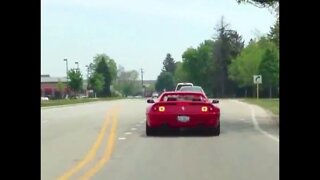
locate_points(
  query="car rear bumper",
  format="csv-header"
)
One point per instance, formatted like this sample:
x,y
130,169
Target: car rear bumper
x,y
205,120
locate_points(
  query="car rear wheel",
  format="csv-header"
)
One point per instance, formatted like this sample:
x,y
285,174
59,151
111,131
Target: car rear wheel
x,y
215,131
149,130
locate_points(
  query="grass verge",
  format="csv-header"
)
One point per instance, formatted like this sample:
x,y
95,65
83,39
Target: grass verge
x,y
269,104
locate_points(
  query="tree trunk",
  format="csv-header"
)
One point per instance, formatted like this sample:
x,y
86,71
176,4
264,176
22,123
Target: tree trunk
x,y
254,90
270,92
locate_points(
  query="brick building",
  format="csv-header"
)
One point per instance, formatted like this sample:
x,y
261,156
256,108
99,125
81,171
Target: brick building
x,y
49,87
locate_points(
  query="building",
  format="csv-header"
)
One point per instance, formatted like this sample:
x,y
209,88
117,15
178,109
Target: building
x,y
49,87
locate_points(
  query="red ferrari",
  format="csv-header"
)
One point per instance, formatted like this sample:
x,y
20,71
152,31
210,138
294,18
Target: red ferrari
x,y
182,109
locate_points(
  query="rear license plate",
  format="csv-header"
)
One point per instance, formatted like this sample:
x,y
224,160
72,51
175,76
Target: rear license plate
x,y
183,118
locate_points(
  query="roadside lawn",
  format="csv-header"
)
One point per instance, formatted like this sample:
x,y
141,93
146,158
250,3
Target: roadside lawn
x,y
269,104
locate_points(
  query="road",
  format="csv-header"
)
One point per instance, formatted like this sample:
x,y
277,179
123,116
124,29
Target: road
x,y
106,140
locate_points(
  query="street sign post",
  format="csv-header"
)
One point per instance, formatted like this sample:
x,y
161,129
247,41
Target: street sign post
x,y
257,79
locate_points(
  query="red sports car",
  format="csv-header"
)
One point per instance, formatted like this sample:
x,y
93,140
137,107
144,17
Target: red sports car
x,y
182,109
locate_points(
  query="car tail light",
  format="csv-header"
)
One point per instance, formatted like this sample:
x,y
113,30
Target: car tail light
x,y
204,108
161,108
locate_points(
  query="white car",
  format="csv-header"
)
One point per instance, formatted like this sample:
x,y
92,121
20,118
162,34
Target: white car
x,y
155,95
179,85
44,99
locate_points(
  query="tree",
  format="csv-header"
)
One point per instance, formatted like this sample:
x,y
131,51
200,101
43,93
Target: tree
x,y
103,69
151,88
189,63
260,3
274,34
228,45
96,82
110,62
272,5
197,65
248,63
165,81
180,74
169,64
269,69
60,87
127,82
76,80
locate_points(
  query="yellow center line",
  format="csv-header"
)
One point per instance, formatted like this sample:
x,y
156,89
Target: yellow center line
x,y
92,152
107,153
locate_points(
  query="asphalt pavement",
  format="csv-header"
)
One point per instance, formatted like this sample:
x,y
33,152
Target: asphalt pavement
x,y
106,140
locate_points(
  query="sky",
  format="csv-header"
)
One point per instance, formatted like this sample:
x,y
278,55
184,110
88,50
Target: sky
x,y
137,33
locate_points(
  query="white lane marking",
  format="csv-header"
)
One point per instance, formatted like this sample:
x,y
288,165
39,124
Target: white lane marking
x,y
242,119
128,133
256,125
133,129
121,138
255,122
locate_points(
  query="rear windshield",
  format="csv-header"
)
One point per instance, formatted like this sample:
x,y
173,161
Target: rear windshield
x,y
182,85
183,97
191,88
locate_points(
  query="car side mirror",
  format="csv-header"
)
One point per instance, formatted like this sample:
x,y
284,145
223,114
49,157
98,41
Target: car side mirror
x,y
215,101
150,101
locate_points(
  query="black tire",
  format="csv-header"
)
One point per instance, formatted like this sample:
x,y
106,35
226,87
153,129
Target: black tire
x,y
215,131
150,131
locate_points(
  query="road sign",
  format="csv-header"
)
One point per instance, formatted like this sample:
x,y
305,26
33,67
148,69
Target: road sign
x,y
257,79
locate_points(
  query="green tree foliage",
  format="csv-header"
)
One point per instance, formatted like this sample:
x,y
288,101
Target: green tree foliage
x,y
110,62
272,5
76,80
198,66
248,63
180,75
165,81
103,69
96,82
260,3
274,33
228,45
127,82
169,64
269,69
106,67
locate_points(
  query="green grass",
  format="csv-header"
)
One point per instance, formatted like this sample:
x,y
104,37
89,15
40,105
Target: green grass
x,y
269,104
74,101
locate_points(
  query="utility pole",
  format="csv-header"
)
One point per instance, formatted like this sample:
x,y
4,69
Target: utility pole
x,y
87,66
142,81
77,63
87,71
66,60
